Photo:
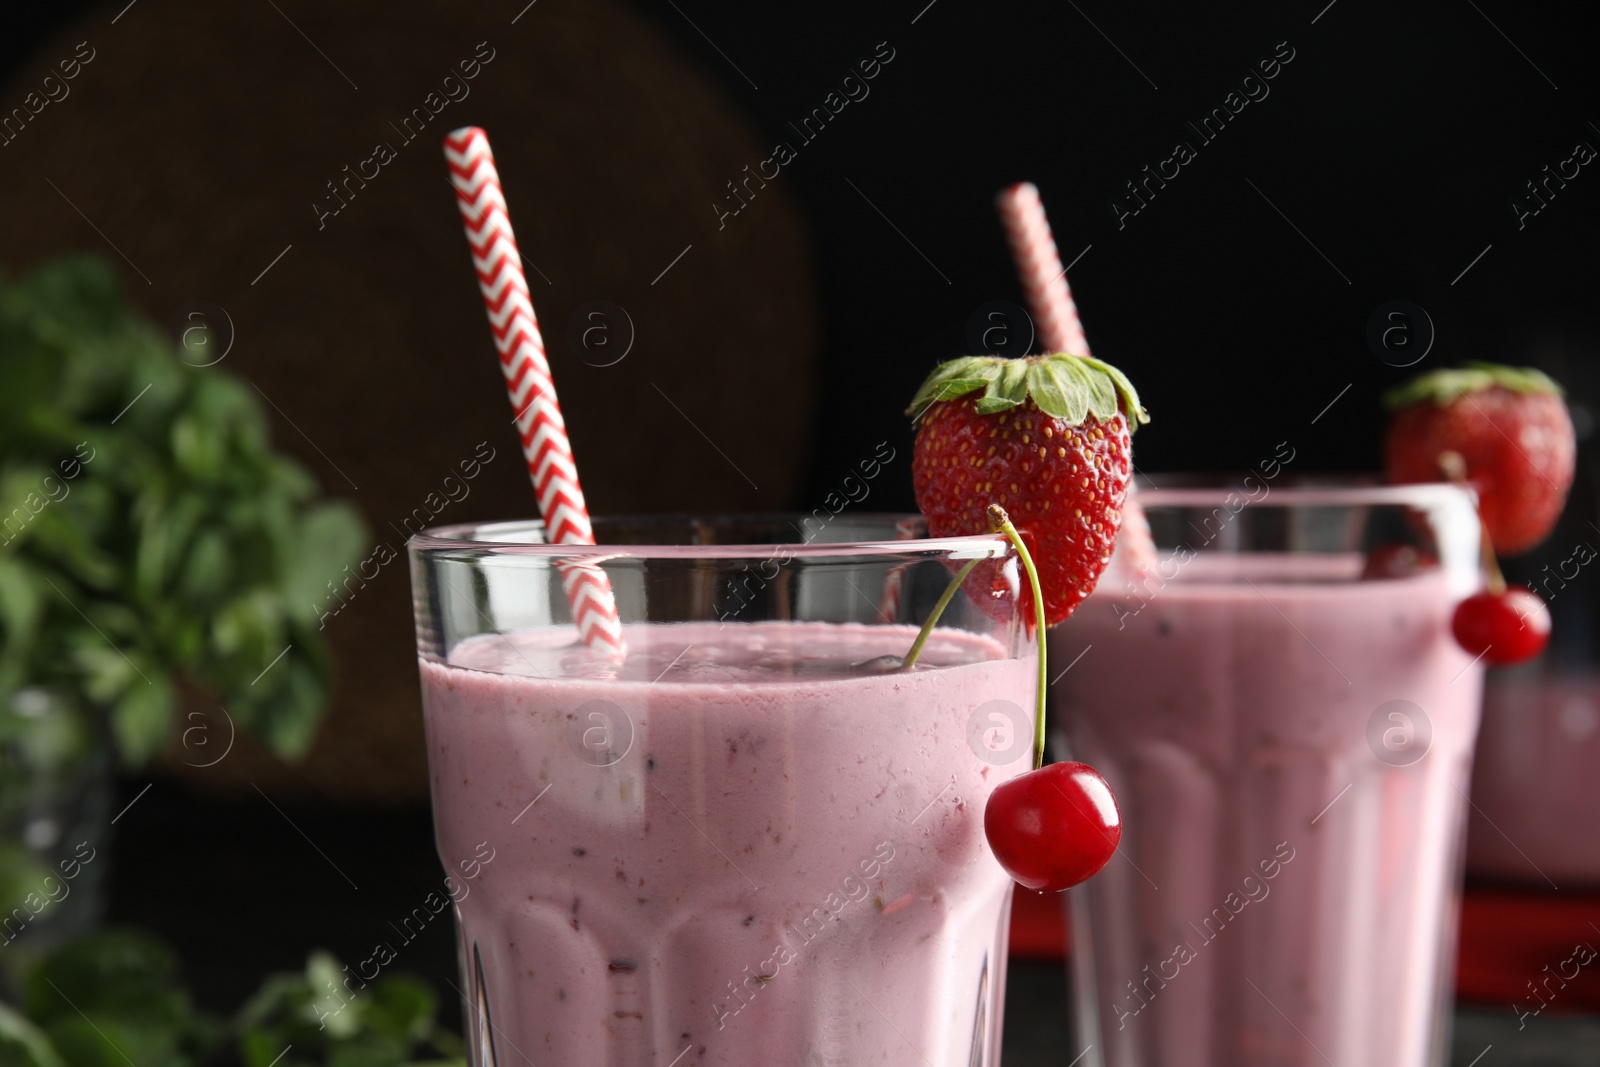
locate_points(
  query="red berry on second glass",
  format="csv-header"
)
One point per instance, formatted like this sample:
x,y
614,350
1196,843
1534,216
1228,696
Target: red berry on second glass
x,y
1054,827
1509,627
1396,560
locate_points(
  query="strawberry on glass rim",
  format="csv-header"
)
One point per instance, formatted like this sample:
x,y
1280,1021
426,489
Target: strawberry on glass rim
x,y
1506,433
1046,437
1043,443
1510,429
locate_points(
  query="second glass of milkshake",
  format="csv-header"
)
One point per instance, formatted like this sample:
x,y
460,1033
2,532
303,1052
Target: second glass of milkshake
x,y
1276,698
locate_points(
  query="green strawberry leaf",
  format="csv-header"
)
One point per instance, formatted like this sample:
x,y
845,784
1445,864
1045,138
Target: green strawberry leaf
x,y
957,387
1014,379
1451,383
993,405
951,379
1102,388
1063,386
1049,390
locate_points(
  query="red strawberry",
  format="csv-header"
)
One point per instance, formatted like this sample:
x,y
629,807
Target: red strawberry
x,y
1047,438
1511,430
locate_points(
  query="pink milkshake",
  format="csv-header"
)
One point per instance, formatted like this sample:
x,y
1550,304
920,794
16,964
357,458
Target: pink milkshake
x,y
736,847
1290,745
1533,784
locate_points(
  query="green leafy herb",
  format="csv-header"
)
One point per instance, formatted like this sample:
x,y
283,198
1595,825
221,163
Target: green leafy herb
x,y
149,535
327,1015
114,997
23,1044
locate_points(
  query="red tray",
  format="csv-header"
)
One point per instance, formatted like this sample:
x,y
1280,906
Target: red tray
x,y
1509,939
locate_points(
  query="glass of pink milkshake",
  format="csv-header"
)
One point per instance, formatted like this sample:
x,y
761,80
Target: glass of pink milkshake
x,y
1533,784
755,839
1276,698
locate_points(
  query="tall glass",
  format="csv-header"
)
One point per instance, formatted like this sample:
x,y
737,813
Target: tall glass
x,y
755,840
1288,725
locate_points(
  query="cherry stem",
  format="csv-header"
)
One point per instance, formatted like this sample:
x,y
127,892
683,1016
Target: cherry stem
x,y
1495,580
1000,522
938,609
1454,468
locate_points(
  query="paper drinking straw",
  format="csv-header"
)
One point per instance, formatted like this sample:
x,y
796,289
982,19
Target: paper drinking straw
x,y
1039,269
1135,539
527,372
1059,329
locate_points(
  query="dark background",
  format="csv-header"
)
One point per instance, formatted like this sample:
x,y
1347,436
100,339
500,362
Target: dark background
x,y
1393,143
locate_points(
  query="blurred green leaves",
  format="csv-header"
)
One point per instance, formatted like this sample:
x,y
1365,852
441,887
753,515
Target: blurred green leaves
x,y
148,533
114,997
327,1017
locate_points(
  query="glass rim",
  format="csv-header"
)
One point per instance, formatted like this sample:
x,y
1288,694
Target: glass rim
x,y
1335,493
469,537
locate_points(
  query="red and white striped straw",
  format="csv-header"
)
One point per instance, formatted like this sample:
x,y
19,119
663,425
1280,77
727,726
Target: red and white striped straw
x,y
533,394
1040,271
1044,281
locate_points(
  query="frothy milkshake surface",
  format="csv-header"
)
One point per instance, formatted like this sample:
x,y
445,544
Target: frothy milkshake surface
x,y
737,848
1291,848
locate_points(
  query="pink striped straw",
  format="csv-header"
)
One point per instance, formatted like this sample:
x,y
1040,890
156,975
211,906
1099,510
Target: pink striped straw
x,y
1040,271
527,372
1044,281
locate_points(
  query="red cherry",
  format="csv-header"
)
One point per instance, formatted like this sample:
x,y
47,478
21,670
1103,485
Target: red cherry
x,y
1054,827
1508,627
1396,560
